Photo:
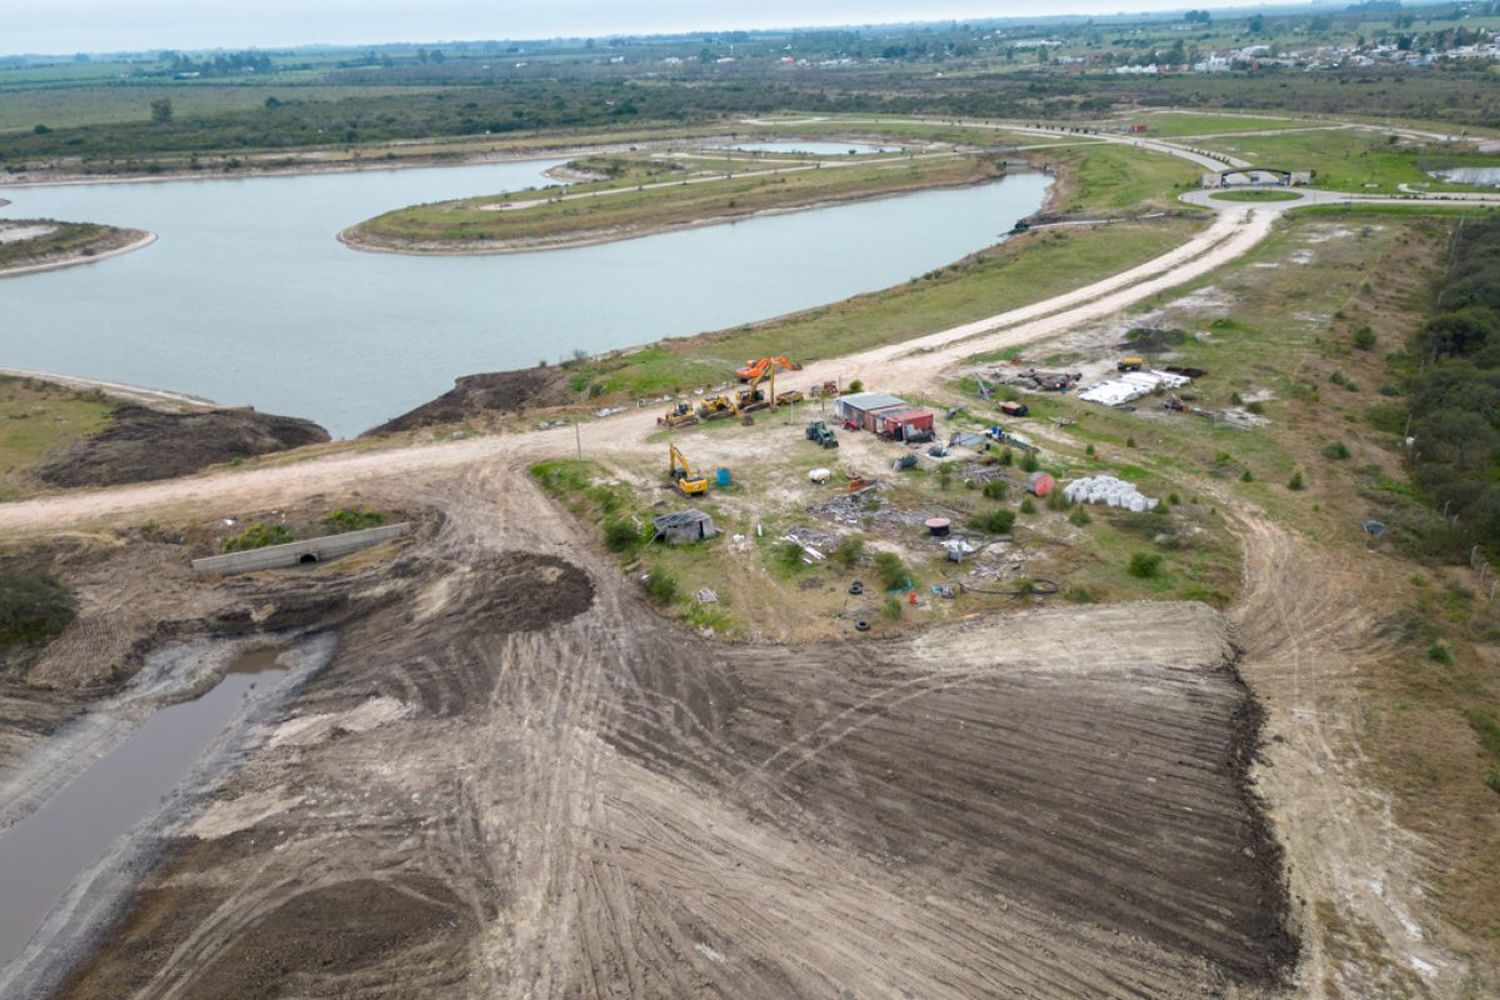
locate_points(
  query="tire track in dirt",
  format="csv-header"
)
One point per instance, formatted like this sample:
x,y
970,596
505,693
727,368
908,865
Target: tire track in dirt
x,y
600,804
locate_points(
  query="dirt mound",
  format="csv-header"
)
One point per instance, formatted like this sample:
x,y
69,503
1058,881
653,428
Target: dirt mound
x,y
493,392
142,444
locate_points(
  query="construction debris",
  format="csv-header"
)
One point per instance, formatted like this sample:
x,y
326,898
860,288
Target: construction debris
x,y
1110,491
1130,386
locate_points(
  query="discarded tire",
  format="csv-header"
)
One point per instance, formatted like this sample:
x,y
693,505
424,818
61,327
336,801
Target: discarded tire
x,y
856,587
861,626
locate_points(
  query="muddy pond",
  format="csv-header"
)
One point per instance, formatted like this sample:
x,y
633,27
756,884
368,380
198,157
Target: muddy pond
x,y
248,298
43,853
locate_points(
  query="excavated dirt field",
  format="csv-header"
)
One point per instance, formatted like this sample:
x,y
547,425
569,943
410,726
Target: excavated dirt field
x,y
514,780
475,397
142,444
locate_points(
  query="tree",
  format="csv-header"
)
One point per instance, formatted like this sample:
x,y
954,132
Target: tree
x,y
1198,17
1257,24
161,110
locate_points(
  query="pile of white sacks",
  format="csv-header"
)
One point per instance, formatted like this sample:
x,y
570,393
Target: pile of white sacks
x,y
1110,491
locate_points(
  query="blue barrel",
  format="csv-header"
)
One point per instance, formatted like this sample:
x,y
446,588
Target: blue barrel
x,y
722,479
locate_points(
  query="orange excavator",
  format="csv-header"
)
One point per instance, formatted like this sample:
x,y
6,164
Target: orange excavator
x,y
764,370
754,371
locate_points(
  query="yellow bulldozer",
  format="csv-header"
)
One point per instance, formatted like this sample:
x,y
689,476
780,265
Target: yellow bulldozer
x,y
680,415
682,474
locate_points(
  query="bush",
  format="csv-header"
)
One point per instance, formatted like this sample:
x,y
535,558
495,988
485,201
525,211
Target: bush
x,y
892,609
33,607
996,522
1336,452
1080,595
789,555
661,587
1492,779
1007,457
945,475
891,569
1029,462
856,386
1058,500
1296,483
996,489
1245,476
849,552
1145,565
1173,499
354,519
1080,517
621,536
1364,338
1130,442
258,536
1027,507
1440,652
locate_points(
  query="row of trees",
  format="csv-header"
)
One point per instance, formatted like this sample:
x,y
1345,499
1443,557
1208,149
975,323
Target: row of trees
x,y
1455,397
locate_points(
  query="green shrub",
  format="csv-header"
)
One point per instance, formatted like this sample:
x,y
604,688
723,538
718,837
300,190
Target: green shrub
x,y
1007,457
995,522
1089,451
1130,442
258,536
1029,462
661,587
1173,499
1364,338
1492,779
891,569
1440,652
892,609
1245,477
945,475
33,607
1145,565
849,552
1080,517
1296,483
996,489
1027,507
789,554
856,386
1336,452
1483,722
1058,500
354,519
1080,595
621,536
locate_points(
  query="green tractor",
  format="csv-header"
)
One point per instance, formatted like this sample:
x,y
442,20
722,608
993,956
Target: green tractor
x,y
820,432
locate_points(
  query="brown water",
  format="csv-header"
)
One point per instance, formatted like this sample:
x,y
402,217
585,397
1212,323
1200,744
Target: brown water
x,y
41,855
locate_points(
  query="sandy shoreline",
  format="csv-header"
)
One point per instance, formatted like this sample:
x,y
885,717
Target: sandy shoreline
x,y
144,240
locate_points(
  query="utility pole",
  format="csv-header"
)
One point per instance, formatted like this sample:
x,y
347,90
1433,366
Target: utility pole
x,y
578,439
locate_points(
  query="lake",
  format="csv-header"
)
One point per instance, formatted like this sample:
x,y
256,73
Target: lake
x,y
1478,176
248,298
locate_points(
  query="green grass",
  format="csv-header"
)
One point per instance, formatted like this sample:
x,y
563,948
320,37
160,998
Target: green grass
x,y
35,419
1110,178
1164,124
1255,195
1015,273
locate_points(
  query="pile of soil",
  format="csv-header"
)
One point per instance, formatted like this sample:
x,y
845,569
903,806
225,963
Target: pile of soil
x,y
492,392
142,444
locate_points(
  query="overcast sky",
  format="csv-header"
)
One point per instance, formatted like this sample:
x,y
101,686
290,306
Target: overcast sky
x,y
66,26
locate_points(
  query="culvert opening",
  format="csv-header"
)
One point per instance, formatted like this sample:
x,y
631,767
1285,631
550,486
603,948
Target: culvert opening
x,y
307,559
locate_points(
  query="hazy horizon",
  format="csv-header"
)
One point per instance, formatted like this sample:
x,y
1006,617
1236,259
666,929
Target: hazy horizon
x,y
64,27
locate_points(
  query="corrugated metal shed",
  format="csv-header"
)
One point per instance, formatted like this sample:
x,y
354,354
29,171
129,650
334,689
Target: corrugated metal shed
x,y
683,527
860,403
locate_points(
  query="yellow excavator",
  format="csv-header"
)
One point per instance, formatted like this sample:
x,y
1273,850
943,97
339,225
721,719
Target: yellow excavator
x,y
718,407
682,474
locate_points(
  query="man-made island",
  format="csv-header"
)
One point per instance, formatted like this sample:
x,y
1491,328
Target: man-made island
x,y
640,194
28,245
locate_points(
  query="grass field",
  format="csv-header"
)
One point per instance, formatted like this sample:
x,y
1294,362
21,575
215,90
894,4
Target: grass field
x,y
1345,160
1254,195
460,223
35,418
1111,178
